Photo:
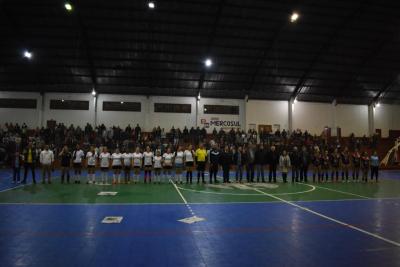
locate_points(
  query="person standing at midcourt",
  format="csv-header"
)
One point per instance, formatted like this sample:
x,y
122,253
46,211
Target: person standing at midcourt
x,y
116,164
137,164
148,164
65,163
168,161
201,158
365,166
77,157
46,160
304,164
374,162
226,161
284,164
127,161
91,158
273,161
179,165
30,159
189,163
104,157
214,157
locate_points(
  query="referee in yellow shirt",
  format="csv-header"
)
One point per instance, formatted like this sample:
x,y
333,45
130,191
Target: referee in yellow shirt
x,y
201,159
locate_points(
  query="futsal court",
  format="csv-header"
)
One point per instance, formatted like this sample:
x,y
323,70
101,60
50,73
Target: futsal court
x,y
258,224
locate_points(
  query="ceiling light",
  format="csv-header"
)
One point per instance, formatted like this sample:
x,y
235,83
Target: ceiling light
x,y
295,100
122,102
151,5
294,17
93,92
27,54
198,97
68,6
62,100
208,62
378,104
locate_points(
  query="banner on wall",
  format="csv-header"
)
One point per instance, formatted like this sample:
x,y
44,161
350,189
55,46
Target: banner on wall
x,y
217,123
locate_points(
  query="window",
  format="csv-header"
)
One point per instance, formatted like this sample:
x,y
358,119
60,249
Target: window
x,y
122,106
18,103
69,104
221,109
172,108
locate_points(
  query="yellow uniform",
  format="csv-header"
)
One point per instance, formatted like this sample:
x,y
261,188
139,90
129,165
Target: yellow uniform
x,y
201,155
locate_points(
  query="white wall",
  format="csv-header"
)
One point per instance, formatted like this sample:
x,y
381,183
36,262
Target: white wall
x,y
231,118
306,115
167,120
386,117
267,113
68,117
121,118
29,116
352,119
312,117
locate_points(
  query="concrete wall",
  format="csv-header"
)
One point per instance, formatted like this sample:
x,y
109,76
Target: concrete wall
x,y
235,119
386,117
313,116
121,118
29,116
75,117
167,120
267,113
352,119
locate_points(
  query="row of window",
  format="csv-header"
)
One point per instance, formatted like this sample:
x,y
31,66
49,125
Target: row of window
x,y
116,106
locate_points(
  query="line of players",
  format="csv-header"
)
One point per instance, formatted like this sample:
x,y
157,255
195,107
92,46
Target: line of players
x,y
161,167
172,164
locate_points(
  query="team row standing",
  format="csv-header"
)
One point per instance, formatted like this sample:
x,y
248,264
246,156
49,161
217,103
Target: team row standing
x,y
123,163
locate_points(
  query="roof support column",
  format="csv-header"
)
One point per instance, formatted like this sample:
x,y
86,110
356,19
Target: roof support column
x,y
371,125
334,119
290,114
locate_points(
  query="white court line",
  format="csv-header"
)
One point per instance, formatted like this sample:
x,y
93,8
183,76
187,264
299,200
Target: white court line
x,y
195,203
247,194
339,191
183,198
330,218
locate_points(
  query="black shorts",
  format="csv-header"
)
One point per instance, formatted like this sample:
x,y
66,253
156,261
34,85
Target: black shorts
x,y
201,165
168,167
104,169
148,167
127,168
136,167
91,167
117,167
77,165
189,164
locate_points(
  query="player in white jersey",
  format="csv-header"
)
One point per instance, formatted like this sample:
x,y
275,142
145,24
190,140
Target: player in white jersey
x,y
116,158
168,161
91,158
77,157
137,164
179,155
157,159
127,162
148,164
104,157
189,163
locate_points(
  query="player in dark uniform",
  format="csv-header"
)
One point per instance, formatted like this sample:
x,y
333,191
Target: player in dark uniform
x,y
325,163
316,164
335,165
356,160
345,166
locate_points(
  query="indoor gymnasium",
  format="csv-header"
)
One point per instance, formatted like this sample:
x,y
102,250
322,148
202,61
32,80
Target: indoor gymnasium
x,y
199,133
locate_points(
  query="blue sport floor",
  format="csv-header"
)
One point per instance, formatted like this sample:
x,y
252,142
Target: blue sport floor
x,y
233,234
